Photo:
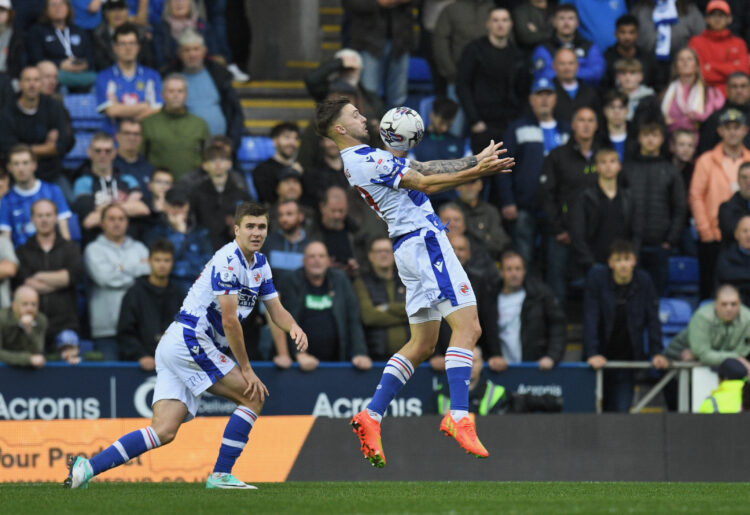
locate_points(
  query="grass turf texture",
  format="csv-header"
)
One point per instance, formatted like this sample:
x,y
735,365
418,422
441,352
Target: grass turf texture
x,y
383,497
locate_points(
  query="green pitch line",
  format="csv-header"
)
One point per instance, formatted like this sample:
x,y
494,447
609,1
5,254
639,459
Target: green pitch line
x,y
385,497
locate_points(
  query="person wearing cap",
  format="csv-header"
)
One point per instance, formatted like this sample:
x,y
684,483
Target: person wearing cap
x,y
492,78
714,181
191,242
720,53
738,97
115,13
53,267
529,139
22,329
571,92
727,398
11,43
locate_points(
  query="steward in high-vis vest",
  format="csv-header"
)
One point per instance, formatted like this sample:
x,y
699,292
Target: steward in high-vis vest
x,y
727,398
485,398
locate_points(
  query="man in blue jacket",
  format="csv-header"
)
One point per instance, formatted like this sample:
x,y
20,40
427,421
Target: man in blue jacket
x,y
621,323
529,139
591,64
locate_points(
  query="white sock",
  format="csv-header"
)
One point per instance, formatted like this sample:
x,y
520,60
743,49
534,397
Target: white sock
x,y
458,414
377,417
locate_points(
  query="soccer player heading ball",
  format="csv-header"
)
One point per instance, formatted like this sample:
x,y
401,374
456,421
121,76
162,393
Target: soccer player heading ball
x,y
191,358
436,284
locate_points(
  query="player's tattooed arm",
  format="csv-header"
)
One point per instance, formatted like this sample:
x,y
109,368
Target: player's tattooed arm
x,y
443,166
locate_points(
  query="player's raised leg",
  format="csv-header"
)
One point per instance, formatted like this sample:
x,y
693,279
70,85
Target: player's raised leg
x,y
237,432
396,373
459,356
168,416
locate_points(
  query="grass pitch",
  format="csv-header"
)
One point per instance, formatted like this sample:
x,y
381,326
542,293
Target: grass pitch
x,y
381,497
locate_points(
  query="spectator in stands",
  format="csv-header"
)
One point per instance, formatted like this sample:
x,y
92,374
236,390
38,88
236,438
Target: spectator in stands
x,y
148,308
218,13
129,160
676,21
52,266
482,219
323,302
8,269
39,121
598,21
285,138
329,171
382,34
530,322
571,93
191,243
660,202
641,98
601,214
127,89
113,261
566,171
714,180
209,86
738,97
179,16
160,182
213,150
285,245
688,99
11,41
733,263
616,129
345,67
57,39
621,310
173,138
22,329
492,79
15,210
215,198
591,65
382,302
626,34
717,331
737,207
336,231
529,139
481,263
682,147
533,24
290,188
48,72
115,15
101,185
727,398
719,52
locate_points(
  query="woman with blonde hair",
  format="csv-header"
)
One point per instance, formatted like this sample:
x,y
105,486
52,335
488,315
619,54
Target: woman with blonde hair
x,y
688,100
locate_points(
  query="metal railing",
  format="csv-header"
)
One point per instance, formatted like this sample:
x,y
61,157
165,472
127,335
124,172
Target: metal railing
x,y
681,369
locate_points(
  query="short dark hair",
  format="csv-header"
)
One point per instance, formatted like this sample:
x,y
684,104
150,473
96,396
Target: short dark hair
x,y
125,28
681,132
745,165
21,148
612,95
445,108
249,209
177,196
561,8
736,75
123,121
628,64
161,245
651,126
375,239
510,254
605,151
284,127
326,113
626,19
211,152
325,196
219,139
620,246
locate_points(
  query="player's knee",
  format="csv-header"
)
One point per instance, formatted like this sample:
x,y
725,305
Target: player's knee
x,y
471,332
253,403
166,434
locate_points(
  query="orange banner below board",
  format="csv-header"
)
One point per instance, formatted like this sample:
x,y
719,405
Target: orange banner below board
x,y
37,450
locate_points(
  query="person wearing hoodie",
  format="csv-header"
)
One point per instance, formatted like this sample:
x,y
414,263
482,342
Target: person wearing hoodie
x,y
113,261
148,308
719,52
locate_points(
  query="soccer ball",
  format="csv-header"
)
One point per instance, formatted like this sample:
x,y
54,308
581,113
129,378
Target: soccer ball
x,y
401,128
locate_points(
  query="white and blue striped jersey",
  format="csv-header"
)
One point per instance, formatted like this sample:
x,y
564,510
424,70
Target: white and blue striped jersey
x,y
376,174
227,273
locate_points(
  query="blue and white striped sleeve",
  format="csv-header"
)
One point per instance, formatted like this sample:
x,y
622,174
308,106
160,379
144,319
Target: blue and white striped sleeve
x,y
267,289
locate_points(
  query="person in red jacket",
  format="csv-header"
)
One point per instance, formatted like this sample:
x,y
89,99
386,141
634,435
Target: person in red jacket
x,y
720,53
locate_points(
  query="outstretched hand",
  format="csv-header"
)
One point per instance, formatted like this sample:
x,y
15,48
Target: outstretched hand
x,y
493,164
493,149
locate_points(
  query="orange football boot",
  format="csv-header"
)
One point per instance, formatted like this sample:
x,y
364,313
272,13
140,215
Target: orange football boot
x,y
465,434
368,430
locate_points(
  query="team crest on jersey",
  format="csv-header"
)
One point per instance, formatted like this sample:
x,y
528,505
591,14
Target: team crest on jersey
x,y
346,172
464,289
257,277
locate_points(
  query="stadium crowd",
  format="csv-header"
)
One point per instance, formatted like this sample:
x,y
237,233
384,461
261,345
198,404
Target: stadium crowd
x,y
628,121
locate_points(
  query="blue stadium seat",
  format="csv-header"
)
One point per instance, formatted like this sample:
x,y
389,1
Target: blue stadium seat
x,y
420,77
425,107
77,155
683,275
83,113
674,315
253,150
74,227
